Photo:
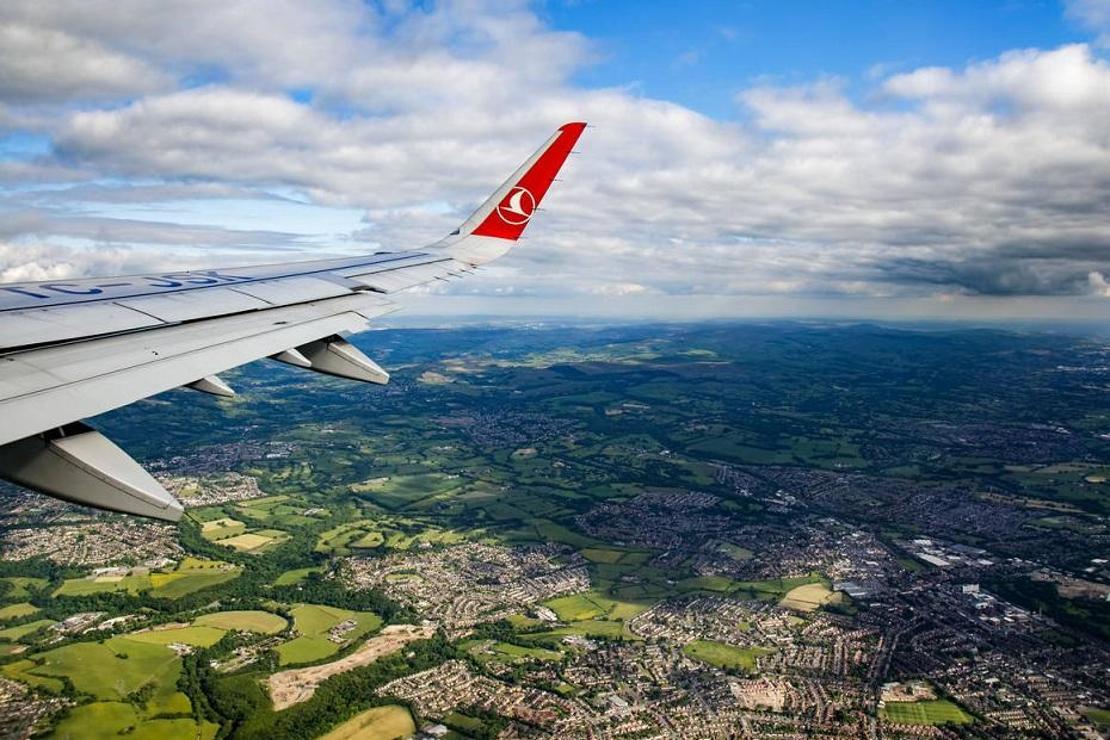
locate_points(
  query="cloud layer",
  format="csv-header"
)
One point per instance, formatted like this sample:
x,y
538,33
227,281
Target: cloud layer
x,y
939,183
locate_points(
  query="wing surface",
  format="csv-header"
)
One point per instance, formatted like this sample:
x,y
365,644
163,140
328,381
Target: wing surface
x,y
73,349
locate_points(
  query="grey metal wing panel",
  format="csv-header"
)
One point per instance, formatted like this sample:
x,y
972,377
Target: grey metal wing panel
x,y
47,388
408,276
176,307
63,323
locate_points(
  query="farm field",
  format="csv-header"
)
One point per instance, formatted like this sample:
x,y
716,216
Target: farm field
x,y
15,611
19,631
313,622
255,542
809,597
247,621
380,723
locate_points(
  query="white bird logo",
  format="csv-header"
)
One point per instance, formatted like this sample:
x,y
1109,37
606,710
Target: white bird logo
x,y
517,207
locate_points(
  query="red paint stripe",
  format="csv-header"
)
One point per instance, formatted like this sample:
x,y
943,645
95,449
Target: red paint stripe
x,y
508,219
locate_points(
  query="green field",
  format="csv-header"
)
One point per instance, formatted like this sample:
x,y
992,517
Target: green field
x,y
725,656
111,669
255,542
591,628
218,529
192,574
196,636
22,587
1098,717
185,581
86,586
110,720
936,712
507,652
245,621
11,634
593,605
293,577
313,622
14,611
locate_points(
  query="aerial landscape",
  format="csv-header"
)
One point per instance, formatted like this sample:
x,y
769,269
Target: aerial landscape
x,y
554,369
605,531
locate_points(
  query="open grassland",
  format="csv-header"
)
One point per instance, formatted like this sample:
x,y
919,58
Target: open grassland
x,y
255,542
111,669
938,712
21,587
590,628
380,723
111,720
313,622
85,586
293,577
593,605
218,529
15,611
192,574
195,636
244,621
11,634
400,491
507,652
725,656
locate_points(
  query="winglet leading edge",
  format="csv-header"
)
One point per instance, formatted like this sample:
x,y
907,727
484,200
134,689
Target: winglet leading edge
x,y
491,230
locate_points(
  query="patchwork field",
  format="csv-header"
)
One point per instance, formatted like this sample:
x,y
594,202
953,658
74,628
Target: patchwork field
x,y
255,542
218,529
191,574
314,623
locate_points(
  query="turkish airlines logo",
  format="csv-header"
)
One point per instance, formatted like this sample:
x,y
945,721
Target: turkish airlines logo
x,y
517,207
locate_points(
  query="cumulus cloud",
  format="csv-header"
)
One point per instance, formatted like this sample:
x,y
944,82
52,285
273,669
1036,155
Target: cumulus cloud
x,y
991,179
46,64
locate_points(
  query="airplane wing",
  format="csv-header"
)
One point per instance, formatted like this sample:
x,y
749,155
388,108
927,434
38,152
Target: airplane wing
x,y
73,349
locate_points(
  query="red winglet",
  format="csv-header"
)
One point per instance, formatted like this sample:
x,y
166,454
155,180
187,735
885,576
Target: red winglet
x,y
508,219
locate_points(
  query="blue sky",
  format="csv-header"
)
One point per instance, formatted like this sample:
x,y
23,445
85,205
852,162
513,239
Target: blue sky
x,y
699,53
747,158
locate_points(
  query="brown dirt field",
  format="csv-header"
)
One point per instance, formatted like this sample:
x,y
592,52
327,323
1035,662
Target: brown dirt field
x,y
299,684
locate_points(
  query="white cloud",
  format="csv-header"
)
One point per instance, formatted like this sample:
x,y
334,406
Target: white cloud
x,y
44,64
1094,14
989,179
